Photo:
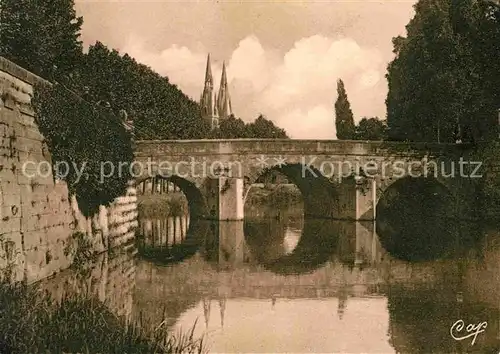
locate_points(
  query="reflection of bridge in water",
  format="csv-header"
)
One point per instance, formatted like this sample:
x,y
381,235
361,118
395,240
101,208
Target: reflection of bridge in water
x,y
230,244
164,232
274,260
235,263
266,259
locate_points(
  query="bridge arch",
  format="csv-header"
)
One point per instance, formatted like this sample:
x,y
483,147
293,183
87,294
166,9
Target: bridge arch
x,y
426,194
196,201
189,240
410,205
319,195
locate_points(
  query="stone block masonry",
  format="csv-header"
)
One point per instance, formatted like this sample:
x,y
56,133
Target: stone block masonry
x,y
38,217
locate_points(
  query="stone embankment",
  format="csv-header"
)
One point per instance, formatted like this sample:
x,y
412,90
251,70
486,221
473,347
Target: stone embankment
x,y
38,217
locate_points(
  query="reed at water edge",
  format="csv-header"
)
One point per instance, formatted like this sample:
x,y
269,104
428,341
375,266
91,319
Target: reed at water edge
x,y
32,322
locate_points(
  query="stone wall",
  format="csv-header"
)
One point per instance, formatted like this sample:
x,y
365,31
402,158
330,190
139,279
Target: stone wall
x,y
38,218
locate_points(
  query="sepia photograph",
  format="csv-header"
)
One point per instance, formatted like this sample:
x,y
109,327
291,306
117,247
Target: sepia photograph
x,y
250,176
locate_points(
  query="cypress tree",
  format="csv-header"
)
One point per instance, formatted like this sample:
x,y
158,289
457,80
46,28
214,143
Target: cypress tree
x,y
344,120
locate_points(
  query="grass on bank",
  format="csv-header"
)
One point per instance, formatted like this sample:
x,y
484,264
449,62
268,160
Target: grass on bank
x,y
30,322
280,195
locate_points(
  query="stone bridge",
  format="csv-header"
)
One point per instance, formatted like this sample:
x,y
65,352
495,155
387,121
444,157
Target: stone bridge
x,y
338,179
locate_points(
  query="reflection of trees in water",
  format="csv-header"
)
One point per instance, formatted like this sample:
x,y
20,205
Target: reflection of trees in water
x,y
464,286
416,221
170,239
420,321
151,305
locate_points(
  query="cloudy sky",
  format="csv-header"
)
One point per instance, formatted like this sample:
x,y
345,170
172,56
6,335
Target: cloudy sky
x,y
283,57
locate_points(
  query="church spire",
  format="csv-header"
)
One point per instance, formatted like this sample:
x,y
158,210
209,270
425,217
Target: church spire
x,y
223,80
224,100
209,81
215,107
207,101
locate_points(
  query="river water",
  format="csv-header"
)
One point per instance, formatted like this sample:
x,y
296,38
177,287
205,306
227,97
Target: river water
x,y
288,284
278,283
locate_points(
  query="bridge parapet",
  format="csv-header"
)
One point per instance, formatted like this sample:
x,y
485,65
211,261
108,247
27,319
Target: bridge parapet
x,y
294,146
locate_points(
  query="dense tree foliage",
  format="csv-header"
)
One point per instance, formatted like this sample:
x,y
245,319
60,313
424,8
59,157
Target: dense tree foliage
x,y
261,128
265,129
159,109
231,128
41,36
344,120
89,142
371,129
444,81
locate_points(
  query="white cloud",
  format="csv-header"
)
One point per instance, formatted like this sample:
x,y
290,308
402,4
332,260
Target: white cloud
x,y
249,63
314,123
296,89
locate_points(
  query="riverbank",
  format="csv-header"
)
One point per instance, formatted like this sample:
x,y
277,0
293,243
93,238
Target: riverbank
x,y
31,322
162,205
274,195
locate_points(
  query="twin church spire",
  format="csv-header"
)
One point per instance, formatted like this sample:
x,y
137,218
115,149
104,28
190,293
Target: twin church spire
x,y
215,107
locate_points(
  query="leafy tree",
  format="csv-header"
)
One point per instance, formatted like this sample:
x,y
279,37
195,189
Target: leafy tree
x,y
41,36
235,128
84,136
344,120
232,128
265,129
371,129
442,81
159,109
